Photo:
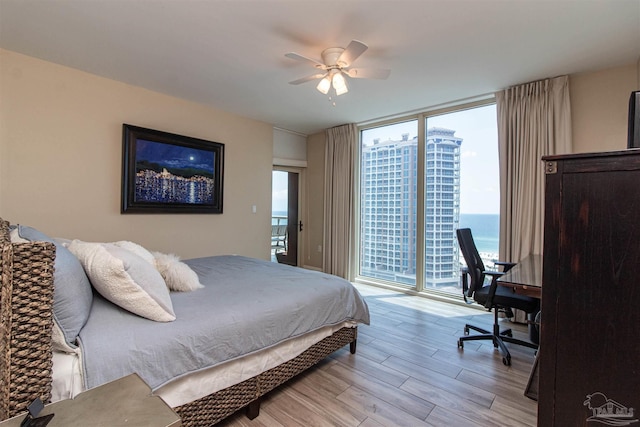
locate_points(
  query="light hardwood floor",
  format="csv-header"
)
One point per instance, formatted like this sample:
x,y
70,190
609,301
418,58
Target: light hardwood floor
x,y
408,371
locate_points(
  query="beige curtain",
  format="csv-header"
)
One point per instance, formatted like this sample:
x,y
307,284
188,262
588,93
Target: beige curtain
x,y
339,212
534,120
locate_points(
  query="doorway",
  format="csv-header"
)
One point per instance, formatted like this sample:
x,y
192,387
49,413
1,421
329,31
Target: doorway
x,y
285,222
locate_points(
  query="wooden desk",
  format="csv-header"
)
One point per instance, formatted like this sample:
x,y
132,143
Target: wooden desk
x,y
525,278
124,402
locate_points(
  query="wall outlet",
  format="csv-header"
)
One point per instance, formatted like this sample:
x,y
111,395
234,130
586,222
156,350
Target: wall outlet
x,y
319,248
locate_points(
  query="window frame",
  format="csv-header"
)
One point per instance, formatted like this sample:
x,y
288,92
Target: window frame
x,y
420,248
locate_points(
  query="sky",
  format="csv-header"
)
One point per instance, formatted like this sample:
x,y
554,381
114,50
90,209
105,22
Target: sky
x,y
479,168
177,156
279,191
479,174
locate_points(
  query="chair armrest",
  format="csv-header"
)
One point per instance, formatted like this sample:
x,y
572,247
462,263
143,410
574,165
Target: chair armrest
x,y
494,273
493,287
506,266
464,271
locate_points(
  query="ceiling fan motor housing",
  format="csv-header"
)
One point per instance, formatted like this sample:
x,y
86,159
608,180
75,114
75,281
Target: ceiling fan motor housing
x,y
330,57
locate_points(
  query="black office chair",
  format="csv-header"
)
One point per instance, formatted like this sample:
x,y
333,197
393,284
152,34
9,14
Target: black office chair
x,y
491,296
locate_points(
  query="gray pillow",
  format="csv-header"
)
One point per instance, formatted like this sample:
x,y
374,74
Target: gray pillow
x,y
72,296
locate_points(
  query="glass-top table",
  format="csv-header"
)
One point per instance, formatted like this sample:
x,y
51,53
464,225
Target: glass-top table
x,y
525,277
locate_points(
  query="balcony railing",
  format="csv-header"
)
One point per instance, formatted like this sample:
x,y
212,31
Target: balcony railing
x,y
278,233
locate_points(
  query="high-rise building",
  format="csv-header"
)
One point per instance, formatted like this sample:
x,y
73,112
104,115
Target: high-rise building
x,y
442,210
389,171
389,208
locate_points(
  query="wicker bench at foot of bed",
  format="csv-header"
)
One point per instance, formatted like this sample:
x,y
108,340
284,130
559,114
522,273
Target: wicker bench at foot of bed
x,y
210,409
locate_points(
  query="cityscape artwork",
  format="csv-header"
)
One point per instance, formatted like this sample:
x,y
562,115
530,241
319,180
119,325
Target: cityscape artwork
x,y
167,173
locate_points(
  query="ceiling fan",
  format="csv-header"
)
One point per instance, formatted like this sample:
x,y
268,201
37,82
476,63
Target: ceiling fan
x,y
336,63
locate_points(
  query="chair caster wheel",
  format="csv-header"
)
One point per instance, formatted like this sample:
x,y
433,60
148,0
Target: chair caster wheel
x,y
466,330
460,344
506,361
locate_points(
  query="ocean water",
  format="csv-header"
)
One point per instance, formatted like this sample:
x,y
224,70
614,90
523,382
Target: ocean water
x,y
485,229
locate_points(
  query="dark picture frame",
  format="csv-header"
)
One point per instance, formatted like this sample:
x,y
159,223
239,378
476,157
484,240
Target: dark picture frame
x,y
633,137
168,173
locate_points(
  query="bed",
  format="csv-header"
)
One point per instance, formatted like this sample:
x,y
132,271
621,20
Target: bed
x,y
250,328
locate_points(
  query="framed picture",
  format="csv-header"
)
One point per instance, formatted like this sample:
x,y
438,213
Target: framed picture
x,y
633,140
167,173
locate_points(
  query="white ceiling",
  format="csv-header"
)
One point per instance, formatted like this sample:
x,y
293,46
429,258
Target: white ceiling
x,y
230,54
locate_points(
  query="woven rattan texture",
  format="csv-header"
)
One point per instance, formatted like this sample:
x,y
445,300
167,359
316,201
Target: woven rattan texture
x,y
217,406
26,299
213,408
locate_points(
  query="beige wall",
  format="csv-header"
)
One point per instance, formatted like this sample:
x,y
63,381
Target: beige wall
x,y
61,155
599,108
289,148
315,201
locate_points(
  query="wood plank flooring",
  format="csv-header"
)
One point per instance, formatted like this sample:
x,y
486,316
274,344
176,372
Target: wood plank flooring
x,y
408,371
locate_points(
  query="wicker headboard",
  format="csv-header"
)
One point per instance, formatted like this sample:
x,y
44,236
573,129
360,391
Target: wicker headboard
x,y
26,298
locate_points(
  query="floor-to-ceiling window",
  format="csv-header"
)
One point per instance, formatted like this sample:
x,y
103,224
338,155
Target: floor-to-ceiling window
x,y
389,200
420,180
462,190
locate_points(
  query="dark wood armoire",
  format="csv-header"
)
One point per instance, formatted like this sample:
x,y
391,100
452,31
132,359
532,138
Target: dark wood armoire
x,y
589,361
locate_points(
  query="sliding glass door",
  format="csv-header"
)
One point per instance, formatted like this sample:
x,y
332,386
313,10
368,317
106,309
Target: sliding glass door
x,y
285,222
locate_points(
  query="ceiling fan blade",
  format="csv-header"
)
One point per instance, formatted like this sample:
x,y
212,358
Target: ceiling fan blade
x,y
299,57
308,79
368,73
352,52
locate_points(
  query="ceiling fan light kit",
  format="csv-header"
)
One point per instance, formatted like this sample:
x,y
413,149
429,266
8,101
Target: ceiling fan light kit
x,y
339,83
324,85
336,62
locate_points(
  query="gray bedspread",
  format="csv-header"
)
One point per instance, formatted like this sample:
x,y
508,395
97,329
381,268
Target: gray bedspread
x,y
246,305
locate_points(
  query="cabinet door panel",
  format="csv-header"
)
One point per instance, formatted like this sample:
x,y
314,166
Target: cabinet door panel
x,y
590,337
597,327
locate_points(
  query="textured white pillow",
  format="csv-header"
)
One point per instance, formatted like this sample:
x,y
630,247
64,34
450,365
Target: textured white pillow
x,y
178,275
136,249
125,279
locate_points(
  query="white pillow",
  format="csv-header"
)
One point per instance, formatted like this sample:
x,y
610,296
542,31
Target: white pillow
x,y
125,279
178,275
136,249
